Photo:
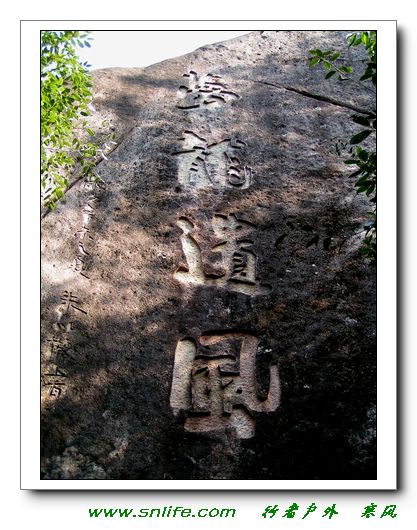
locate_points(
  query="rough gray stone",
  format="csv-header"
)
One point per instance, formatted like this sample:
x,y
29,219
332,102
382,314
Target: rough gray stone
x,y
205,312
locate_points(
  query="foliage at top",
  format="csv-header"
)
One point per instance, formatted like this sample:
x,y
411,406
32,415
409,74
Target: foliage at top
x,y
66,94
360,156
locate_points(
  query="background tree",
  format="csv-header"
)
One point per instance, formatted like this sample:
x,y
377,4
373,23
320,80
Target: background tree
x,y
361,156
66,94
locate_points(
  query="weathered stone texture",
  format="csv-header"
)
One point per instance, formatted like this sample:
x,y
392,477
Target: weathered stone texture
x,y
228,221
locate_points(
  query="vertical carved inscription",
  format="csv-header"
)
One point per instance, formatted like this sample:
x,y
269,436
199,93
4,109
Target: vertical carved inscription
x,y
214,376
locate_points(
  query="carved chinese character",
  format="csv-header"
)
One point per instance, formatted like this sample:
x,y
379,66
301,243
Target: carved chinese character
x,y
83,233
204,91
238,268
204,165
69,304
81,248
93,185
214,383
79,263
59,347
70,301
55,380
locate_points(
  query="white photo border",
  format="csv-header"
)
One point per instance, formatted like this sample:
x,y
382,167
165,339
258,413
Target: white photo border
x,y
386,273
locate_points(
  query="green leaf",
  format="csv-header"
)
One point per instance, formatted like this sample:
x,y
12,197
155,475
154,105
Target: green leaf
x,y
346,69
363,155
366,76
351,39
330,74
314,61
358,138
335,56
361,120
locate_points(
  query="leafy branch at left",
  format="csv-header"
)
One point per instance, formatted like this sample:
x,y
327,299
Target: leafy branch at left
x,y
66,96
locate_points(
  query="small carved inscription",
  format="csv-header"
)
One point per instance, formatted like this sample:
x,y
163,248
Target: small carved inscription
x,y
330,235
238,269
59,348
83,235
204,91
214,383
59,352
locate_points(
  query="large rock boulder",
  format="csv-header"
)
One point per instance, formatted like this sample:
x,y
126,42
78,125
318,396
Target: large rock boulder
x,y
206,312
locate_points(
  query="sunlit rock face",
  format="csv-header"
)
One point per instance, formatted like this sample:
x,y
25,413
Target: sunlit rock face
x,y
206,313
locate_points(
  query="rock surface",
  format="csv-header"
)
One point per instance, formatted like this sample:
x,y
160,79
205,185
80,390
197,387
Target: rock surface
x,y
205,311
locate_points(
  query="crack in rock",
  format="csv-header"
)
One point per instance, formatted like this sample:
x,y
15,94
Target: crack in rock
x,y
318,97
